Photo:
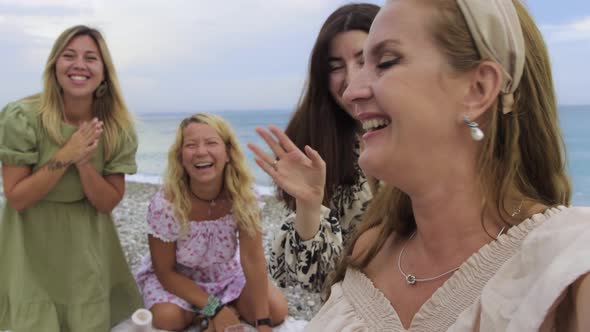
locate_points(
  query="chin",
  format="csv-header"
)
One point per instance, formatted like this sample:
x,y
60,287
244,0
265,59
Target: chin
x,y
380,169
368,165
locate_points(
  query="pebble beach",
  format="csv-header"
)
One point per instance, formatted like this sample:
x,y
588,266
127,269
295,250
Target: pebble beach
x,y
130,219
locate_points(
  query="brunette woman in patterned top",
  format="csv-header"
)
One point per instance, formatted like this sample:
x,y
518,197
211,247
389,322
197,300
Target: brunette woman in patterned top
x,y
312,238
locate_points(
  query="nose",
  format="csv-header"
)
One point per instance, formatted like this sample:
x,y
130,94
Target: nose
x,y
79,62
201,149
358,90
352,69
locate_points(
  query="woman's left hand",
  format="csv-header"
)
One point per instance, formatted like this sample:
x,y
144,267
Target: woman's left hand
x,y
301,174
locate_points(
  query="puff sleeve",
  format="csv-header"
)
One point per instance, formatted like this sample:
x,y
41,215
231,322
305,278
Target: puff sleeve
x,y
123,160
18,138
160,219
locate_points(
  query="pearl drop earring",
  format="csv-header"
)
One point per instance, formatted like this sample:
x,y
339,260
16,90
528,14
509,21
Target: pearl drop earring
x,y
476,133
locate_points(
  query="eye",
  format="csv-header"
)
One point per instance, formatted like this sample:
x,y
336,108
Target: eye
x,y
91,58
334,66
68,55
388,62
212,143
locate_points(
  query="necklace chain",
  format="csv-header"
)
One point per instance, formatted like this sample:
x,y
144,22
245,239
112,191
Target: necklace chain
x,y
211,202
412,279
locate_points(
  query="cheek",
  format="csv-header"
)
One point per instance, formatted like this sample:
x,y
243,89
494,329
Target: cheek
x,y
60,71
222,156
99,70
186,157
336,80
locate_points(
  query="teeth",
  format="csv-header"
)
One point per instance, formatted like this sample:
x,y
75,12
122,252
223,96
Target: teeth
x,y
203,165
78,78
373,124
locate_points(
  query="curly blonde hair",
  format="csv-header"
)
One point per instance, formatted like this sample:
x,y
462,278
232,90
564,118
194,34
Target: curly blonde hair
x,y
238,179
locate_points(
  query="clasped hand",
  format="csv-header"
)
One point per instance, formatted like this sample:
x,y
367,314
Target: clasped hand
x,y
80,148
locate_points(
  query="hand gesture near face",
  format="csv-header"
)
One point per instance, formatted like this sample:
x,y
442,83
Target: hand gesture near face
x,y
301,175
82,144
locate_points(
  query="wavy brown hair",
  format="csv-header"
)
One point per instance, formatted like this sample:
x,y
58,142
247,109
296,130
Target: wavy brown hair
x,y
318,120
523,151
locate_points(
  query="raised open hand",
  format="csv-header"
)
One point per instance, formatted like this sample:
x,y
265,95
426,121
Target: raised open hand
x,y
300,174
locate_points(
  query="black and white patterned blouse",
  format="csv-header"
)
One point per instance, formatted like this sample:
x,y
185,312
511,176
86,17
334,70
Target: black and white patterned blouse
x,y
307,263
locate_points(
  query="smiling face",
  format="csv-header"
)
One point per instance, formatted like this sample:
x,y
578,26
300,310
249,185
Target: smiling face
x,y
408,97
79,68
204,154
345,60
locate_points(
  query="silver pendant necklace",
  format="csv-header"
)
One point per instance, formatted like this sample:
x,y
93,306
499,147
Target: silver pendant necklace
x,y
412,279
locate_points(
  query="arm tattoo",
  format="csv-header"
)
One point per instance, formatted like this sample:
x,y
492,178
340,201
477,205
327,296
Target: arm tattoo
x,y
54,165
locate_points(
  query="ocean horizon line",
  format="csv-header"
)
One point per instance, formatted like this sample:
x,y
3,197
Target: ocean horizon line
x,y
260,189
585,107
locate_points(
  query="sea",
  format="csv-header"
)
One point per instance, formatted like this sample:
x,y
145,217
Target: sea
x,y
156,133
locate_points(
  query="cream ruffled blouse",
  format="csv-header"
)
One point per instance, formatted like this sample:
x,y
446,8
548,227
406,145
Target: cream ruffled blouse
x,y
509,285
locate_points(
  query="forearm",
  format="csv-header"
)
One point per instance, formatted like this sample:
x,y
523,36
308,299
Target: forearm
x,y
307,219
257,279
101,194
34,187
289,257
179,285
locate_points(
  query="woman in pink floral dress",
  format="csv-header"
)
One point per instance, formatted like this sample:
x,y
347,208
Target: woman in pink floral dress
x,y
204,237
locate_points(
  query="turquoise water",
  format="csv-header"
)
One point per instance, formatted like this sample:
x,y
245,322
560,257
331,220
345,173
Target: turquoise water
x,y
156,132
575,124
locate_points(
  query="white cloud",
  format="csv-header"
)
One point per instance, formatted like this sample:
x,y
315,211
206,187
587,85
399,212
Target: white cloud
x,y
163,33
578,30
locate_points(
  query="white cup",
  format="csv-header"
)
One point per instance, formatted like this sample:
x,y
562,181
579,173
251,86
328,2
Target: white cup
x,y
142,320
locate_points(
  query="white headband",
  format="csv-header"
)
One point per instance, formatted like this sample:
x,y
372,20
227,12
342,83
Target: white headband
x,y
496,30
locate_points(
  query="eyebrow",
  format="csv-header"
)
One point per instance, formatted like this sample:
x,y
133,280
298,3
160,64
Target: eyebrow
x,y
73,50
375,50
356,55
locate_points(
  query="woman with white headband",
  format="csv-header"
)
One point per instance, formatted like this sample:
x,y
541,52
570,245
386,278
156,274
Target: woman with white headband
x,y
472,231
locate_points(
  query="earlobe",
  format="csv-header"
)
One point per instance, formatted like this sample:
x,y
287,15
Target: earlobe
x,y
484,89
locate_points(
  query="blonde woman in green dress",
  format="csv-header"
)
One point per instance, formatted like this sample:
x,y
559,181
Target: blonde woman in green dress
x,y
64,154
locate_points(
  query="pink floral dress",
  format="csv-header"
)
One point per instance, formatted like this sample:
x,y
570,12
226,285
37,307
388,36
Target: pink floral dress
x,y
208,254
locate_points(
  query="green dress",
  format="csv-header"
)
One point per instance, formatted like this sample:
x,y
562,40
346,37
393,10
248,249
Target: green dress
x,y
62,267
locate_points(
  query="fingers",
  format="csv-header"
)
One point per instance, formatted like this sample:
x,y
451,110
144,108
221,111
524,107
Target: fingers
x,y
261,154
266,167
284,140
91,130
271,142
314,156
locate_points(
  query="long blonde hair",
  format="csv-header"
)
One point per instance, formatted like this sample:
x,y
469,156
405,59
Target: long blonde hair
x,y
237,177
523,152
109,108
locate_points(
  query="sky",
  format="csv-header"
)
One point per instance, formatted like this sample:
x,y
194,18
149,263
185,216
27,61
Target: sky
x,y
204,55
